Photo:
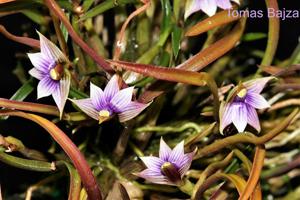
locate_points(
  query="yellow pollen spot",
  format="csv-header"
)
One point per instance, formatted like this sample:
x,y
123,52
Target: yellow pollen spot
x,y
242,93
103,116
166,165
54,75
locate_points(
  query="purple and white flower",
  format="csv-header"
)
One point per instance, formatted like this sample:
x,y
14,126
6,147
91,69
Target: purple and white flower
x,y
49,69
170,167
241,108
102,105
207,6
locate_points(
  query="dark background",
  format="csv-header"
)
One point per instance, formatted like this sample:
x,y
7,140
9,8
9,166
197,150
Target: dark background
x,y
35,137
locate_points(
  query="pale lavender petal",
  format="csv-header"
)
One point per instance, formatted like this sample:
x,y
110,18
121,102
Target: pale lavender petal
x,y
253,118
61,94
37,73
153,163
191,7
257,85
154,177
87,106
226,117
239,115
46,87
256,100
122,99
208,6
177,154
97,97
164,150
131,110
224,4
40,62
50,50
186,163
112,88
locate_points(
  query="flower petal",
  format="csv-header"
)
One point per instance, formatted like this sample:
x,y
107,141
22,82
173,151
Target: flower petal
x,y
61,94
257,85
239,115
253,118
177,154
154,177
37,73
97,97
208,6
40,62
224,4
186,163
132,110
112,88
50,50
164,150
191,7
152,162
87,106
256,100
226,117
122,99
46,87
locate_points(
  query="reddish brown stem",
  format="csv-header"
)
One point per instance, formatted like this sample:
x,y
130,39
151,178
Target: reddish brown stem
x,y
54,7
88,179
24,40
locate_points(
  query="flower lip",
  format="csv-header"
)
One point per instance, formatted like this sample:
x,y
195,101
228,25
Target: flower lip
x,y
104,115
171,172
242,93
57,72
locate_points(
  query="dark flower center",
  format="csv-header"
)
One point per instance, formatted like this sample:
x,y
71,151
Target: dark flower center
x,y
169,170
57,72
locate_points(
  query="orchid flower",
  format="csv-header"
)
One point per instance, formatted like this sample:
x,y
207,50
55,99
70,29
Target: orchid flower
x,y
49,69
209,7
241,109
170,167
102,105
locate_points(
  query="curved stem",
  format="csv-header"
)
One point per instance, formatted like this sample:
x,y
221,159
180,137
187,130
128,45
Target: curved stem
x,y
69,147
273,35
54,7
258,163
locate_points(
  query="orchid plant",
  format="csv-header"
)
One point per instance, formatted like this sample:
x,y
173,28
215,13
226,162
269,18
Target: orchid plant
x,y
182,130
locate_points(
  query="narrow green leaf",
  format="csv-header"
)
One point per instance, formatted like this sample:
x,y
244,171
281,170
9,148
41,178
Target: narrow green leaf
x,y
64,29
87,4
27,164
74,93
35,16
253,36
176,38
104,6
167,13
23,91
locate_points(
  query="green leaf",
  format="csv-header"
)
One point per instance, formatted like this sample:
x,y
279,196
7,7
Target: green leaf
x,y
74,93
254,36
23,91
27,164
35,16
104,6
64,29
176,38
87,4
167,11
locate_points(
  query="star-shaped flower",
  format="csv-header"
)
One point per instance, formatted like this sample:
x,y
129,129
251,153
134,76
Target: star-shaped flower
x,y
241,109
170,167
207,6
49,69
102,105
